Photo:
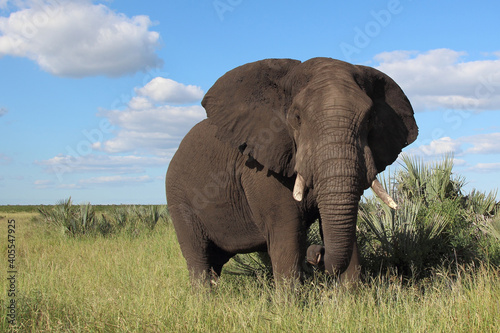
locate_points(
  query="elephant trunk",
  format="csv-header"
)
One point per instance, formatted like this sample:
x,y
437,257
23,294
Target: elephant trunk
x,y
340,181
338,218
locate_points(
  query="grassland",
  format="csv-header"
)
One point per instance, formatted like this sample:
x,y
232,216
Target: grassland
x,y
139,283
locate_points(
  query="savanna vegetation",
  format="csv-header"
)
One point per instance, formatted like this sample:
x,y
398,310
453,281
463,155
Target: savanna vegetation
x,y
431,266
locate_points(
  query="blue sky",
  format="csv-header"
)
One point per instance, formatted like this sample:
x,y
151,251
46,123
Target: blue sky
x,y
95,96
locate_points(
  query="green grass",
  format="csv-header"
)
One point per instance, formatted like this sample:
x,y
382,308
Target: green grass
x,y
140,284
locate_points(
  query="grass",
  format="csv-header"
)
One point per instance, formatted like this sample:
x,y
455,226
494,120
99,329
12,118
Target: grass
x,y
140,284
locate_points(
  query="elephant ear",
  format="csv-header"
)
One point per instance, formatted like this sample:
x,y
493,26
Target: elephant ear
x,y
248,105
392,124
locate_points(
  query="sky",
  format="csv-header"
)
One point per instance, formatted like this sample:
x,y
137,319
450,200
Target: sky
x,y
95,96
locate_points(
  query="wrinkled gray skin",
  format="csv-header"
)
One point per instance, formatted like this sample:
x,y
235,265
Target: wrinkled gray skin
x,y
229,185
316,256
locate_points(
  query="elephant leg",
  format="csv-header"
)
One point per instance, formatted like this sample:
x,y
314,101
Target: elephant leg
x,y
203,261
353,272
286,260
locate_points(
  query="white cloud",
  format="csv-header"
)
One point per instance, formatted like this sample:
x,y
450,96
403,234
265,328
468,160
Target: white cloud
x,y
116,180
79,38
63,164
440,146
486,167
145,125
148,133
43,184
484,144
3,111
156,128
475,144
441,79
162,90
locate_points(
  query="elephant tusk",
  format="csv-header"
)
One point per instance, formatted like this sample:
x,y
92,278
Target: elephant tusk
x,y
382,194
298,189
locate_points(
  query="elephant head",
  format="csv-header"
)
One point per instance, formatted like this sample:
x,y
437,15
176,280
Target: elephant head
x,y
330,124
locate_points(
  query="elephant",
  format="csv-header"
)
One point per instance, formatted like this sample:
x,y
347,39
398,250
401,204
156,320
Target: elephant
x,y
315,256
285,143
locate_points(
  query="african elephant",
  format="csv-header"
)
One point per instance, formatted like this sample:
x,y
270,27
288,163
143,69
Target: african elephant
x,y
285,143
315,256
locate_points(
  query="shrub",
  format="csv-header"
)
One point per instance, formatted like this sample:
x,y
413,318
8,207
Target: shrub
x,y
399,239
83,220
72,220
436,223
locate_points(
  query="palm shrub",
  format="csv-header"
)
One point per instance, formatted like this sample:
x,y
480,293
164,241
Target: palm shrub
x,y
70,219
149,215
492,227
82,219
481,204
428,182
250,264
62,215
401,240
135,219
436,223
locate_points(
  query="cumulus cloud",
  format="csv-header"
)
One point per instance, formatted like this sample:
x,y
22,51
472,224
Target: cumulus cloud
x,y
146,132
148,123
162,90
483,143
78,38
441,146
475,144
442,79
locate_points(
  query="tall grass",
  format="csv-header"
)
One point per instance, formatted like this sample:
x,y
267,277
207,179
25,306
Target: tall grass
x,y
140,284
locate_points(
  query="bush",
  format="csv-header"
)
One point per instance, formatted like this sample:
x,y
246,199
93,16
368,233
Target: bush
x,y
70,219
436,223
400,239
82,220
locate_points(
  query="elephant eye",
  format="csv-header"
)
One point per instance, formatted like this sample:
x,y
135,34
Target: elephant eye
x,y
294,119
297,119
